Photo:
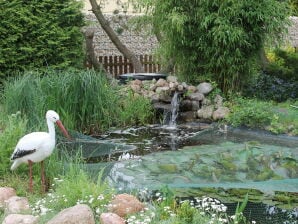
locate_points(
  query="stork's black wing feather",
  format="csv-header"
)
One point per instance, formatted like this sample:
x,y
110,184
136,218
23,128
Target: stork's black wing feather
x,y
20,153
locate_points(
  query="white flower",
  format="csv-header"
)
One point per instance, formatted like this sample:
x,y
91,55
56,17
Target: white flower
x,y
91,200
100,197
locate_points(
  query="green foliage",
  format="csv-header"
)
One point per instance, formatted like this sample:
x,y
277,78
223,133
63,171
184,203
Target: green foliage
x,y
239,217
24,94
285,119
277,118
74,187
38,34
268,87
85,100
12,127
283,64
250,113
136,110
221,39
294,7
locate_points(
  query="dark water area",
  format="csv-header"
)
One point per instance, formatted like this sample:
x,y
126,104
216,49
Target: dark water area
x,y
156,138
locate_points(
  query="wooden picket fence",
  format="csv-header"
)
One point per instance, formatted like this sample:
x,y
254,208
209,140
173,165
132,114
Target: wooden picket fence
x,y
117,65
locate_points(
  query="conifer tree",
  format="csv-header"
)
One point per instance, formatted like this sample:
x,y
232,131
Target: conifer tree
x,y
40,34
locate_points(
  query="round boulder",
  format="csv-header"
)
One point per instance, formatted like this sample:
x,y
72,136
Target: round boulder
x,y
6,193
124,204
16,204
205,88
79,214
20,219
111,218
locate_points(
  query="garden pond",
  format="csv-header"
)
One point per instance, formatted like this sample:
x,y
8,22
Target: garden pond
x,y
195,160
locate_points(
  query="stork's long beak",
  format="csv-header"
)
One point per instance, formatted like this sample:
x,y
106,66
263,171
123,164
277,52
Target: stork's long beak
x,y
65,133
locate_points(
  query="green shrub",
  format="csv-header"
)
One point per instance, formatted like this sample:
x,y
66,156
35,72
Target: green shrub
x,y
40,34
250,112
268,87
283,64
221,39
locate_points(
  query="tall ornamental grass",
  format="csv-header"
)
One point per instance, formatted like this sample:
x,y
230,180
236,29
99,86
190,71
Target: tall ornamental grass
x,y
12,127
84,99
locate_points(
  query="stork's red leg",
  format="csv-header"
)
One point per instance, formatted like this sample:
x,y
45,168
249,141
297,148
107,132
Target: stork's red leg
x,y
43,181
30,176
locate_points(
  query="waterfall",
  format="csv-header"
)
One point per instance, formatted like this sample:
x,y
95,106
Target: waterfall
x,y
174,110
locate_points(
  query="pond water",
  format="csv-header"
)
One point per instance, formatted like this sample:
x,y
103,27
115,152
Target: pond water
x,y
197,159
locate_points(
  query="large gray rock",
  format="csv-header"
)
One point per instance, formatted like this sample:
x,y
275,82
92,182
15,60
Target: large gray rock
x,y
187,116
161,83
111,218
79,214
196,105
218,100
206,112
220,113
191,89
124,204
163,89
16,204
185,105
135,88
204,88
172,78
196,96
6,193
20,219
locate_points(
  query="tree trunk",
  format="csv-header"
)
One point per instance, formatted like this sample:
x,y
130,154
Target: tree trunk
x,y
91,61
114,38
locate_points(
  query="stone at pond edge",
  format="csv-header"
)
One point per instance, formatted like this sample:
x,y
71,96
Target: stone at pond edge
x,y
205,112
185,105
220,113
79,214
6,193
20,219
16,204
111,218
161,83
196,96
204,88
218,100
124,204
196,105
172,78
187,116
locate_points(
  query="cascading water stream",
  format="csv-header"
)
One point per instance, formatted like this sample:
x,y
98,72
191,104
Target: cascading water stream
x,y
174,110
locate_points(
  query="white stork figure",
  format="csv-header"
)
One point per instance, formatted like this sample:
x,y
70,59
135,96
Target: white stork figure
x,y
37,146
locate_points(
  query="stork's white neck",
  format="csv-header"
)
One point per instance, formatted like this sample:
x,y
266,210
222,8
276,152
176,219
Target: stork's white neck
x,y
51,128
